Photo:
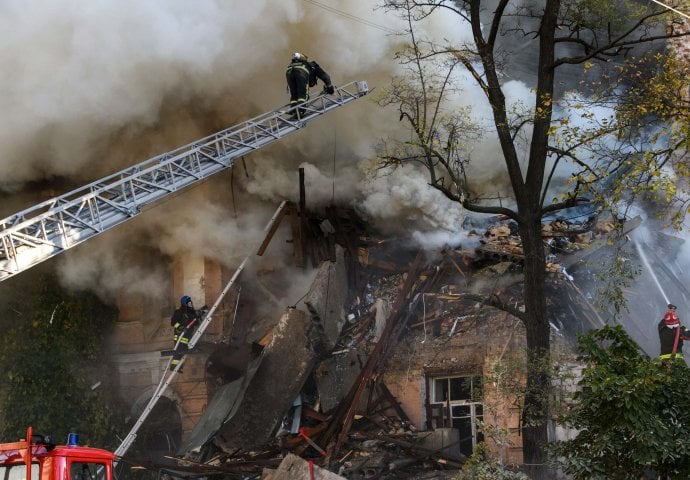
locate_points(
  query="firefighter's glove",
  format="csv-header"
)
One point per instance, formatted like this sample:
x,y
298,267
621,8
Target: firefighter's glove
x,y
330,89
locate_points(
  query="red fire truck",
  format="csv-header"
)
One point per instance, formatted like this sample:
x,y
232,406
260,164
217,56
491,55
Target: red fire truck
x,y
36,458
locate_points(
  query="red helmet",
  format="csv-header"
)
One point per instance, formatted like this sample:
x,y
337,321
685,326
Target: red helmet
x,y
671,318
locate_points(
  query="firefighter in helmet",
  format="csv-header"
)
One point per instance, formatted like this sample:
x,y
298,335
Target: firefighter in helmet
x,y
302,74
672,334
184,321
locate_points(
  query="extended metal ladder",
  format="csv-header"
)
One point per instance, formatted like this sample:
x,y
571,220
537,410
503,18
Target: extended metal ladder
x,y
170,371
51,227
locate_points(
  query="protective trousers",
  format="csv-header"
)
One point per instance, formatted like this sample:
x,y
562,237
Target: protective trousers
x,y
297,76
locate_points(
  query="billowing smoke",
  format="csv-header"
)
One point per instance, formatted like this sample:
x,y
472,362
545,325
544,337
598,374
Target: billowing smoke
x,y
91,88
78,77
94,88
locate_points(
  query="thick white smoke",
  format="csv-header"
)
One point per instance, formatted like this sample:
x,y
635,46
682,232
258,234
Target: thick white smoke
x,y
91,88
77,74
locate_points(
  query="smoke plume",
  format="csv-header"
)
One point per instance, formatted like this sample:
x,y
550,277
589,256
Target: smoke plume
x,y
92,88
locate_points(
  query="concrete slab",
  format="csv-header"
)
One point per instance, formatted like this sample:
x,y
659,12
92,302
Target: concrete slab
x,y
286,362
336,376
327,296
295,468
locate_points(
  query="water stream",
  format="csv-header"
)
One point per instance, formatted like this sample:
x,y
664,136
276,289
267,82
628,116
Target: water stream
x,y
643,256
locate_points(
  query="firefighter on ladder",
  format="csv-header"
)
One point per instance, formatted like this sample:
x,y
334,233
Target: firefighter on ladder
x,y
184,321
671,335
302,74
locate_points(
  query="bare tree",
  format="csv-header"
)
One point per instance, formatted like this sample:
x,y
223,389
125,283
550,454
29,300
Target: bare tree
x,y
610,159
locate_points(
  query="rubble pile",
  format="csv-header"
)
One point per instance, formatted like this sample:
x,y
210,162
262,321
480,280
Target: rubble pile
x,y
326,404
562,238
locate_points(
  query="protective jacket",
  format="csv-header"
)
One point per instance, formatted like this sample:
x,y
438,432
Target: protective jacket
x,y
671,336
302,74
184,321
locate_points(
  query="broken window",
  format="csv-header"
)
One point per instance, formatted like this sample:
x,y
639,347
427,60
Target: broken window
x,y
455,402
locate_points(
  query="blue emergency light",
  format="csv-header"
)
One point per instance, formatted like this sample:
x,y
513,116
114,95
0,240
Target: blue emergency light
x,y
72,439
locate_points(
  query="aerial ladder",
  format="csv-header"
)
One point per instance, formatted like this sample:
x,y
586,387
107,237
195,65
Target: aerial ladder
x,y
53,226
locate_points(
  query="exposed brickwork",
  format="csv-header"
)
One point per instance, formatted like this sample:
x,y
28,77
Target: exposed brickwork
x,y
474,349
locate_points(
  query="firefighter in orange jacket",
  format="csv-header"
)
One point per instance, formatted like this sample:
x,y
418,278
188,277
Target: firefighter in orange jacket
x,y
302,74
184,321
672,334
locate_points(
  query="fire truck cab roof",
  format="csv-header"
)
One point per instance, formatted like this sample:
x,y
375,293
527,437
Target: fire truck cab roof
x,y
53,462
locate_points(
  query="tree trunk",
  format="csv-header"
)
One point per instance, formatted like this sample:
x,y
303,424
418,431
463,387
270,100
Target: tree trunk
x,y
535,410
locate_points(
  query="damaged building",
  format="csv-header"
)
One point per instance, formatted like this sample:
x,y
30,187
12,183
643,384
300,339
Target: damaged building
x,y
388,367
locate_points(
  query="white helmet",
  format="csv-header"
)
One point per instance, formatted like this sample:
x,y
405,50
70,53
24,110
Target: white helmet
x,y
297,56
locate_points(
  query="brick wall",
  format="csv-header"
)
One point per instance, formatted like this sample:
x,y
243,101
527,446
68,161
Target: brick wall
x,y
477,347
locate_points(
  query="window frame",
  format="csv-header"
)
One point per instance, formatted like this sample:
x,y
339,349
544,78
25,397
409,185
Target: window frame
x,y
449,407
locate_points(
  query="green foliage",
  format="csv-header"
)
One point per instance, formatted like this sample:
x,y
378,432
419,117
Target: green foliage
x,y
52,355
479,467
633,148
598,15
632,413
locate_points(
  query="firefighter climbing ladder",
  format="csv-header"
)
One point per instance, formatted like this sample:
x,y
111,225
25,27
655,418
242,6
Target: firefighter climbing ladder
x,y
168,373
51,227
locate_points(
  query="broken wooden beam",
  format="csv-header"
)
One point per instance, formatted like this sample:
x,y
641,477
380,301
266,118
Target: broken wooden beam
x,y
272,226
341,423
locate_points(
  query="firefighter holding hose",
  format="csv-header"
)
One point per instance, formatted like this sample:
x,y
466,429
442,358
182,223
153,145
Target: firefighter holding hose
x,y
671,334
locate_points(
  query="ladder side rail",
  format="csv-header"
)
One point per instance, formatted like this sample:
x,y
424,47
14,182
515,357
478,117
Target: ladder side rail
x,y
160,389
209,315
155,396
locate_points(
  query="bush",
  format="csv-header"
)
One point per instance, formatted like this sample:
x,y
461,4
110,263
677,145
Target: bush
x,y
480,467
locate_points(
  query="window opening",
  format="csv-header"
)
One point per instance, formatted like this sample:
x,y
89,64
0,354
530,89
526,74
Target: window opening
x,y
456,402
